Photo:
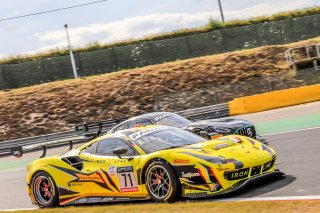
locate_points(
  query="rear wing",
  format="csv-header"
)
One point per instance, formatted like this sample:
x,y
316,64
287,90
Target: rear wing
x,y
19,150
95,129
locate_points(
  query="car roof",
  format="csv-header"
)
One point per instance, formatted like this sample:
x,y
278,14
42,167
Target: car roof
x,y
127,132
150,115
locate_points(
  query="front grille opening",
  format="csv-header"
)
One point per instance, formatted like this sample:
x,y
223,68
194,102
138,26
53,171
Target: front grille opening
x,y
248,131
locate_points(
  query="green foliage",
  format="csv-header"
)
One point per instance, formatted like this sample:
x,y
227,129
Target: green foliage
x,y
210,26
215,24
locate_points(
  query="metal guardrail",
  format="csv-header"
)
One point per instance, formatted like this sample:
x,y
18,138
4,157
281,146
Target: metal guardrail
x,y
72,137
303,56
205,113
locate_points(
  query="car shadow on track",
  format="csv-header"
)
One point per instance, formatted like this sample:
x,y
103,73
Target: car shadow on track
x,y
258,187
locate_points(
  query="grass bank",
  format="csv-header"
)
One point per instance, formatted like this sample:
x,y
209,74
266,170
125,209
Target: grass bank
x,y
199,207
56,106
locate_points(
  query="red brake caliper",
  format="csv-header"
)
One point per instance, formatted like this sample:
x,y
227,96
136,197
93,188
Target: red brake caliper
x,y
46,189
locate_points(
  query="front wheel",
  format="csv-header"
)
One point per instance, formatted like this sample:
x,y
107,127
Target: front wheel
x,y
162,183
44,190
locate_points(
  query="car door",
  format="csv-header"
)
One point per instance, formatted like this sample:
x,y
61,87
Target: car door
x,y
111,175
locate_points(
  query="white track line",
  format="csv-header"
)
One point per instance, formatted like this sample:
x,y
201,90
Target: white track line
x,y
284,198
297,130
13,210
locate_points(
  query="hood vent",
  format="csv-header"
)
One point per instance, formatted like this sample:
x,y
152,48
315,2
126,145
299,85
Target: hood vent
x,y
74,161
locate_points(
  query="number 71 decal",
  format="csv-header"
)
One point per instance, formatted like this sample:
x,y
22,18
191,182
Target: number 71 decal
x,y
127,179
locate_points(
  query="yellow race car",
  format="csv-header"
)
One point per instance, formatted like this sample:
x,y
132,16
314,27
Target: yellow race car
x,y
158,162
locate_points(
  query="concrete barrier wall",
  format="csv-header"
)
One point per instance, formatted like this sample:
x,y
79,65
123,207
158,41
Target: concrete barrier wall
x,y
154,52
273,100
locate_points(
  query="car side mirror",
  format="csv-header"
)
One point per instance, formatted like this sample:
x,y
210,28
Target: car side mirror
x,y
204,134
119,151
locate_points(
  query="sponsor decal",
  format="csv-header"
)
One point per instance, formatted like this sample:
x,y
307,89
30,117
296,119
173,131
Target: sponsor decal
x,y
160,117
82,200
125,169
72,184
111,161
189,174
180,161
112,170
236,175
107,199
92,177
100,161
127,179
144,132
123,198
132,189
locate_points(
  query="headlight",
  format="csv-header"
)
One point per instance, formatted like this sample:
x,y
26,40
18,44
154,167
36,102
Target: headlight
x,y
221,129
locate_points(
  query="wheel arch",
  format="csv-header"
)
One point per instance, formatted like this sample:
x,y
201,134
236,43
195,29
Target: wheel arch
x,y
144,169
33,200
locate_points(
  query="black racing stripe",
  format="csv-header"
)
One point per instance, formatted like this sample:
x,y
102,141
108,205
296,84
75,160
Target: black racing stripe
x,y
103,185
265,148
186,186
68,171
216,160
211,176
110,180
139,176
64,192
85,160
210,159
237,164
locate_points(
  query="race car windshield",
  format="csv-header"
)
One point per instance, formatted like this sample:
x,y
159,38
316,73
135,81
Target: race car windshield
x,y
166,139
172,120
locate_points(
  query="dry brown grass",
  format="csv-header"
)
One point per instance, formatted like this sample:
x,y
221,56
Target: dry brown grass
x,y
53,107
199,207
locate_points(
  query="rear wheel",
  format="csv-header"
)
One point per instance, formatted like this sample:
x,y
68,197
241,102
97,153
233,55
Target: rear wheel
x,y
162,183
44,190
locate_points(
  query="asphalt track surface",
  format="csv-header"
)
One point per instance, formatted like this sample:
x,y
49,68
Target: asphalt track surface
x,y
298,155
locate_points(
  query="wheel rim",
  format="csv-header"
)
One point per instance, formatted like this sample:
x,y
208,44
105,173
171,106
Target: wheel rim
x,y
43,189
159,182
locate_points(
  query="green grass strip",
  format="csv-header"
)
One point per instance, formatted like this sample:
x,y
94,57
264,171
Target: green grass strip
x,y
294,123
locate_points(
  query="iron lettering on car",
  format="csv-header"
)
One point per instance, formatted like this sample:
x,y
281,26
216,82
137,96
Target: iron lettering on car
x,y
237,175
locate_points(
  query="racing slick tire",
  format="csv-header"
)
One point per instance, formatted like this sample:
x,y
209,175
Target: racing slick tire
x,y
162,183
44,190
